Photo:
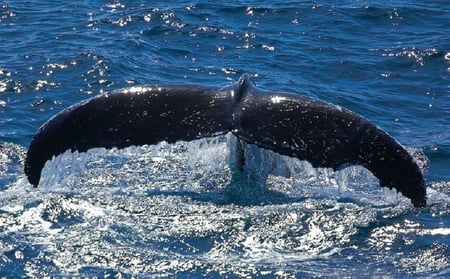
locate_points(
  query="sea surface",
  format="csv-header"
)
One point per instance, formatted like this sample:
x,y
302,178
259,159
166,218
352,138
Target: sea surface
x,y
179,210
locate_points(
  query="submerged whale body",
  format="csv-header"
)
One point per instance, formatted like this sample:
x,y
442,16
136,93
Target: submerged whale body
x,y
289,124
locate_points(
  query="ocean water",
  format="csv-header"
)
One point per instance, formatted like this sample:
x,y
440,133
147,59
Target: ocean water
x,y
177,210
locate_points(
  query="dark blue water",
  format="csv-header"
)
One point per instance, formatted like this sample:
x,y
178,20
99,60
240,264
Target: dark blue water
x,y
174,210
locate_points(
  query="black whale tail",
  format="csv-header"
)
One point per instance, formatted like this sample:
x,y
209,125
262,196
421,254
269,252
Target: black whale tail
x,y
392,165
327,136
289,124
132,116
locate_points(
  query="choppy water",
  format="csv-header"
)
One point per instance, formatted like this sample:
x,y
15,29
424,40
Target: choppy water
x,y
177,210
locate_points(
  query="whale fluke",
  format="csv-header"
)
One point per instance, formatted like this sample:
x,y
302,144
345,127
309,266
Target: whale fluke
x,y
289,124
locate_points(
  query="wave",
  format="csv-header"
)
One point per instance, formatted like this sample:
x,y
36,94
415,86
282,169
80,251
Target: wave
x,y
177,208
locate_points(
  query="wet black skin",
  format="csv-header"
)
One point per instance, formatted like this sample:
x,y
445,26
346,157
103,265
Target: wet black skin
x,y
289,124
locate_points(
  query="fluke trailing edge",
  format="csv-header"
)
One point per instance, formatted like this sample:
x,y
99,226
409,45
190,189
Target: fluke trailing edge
x,y
289,124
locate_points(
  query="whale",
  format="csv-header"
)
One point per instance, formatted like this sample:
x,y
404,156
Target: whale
x,y
325,135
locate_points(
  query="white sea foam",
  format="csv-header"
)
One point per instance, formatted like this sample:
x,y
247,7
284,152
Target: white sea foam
x,y
156,209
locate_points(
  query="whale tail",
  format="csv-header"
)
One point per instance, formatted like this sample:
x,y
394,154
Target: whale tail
x,y
327,136
133,116
289,124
